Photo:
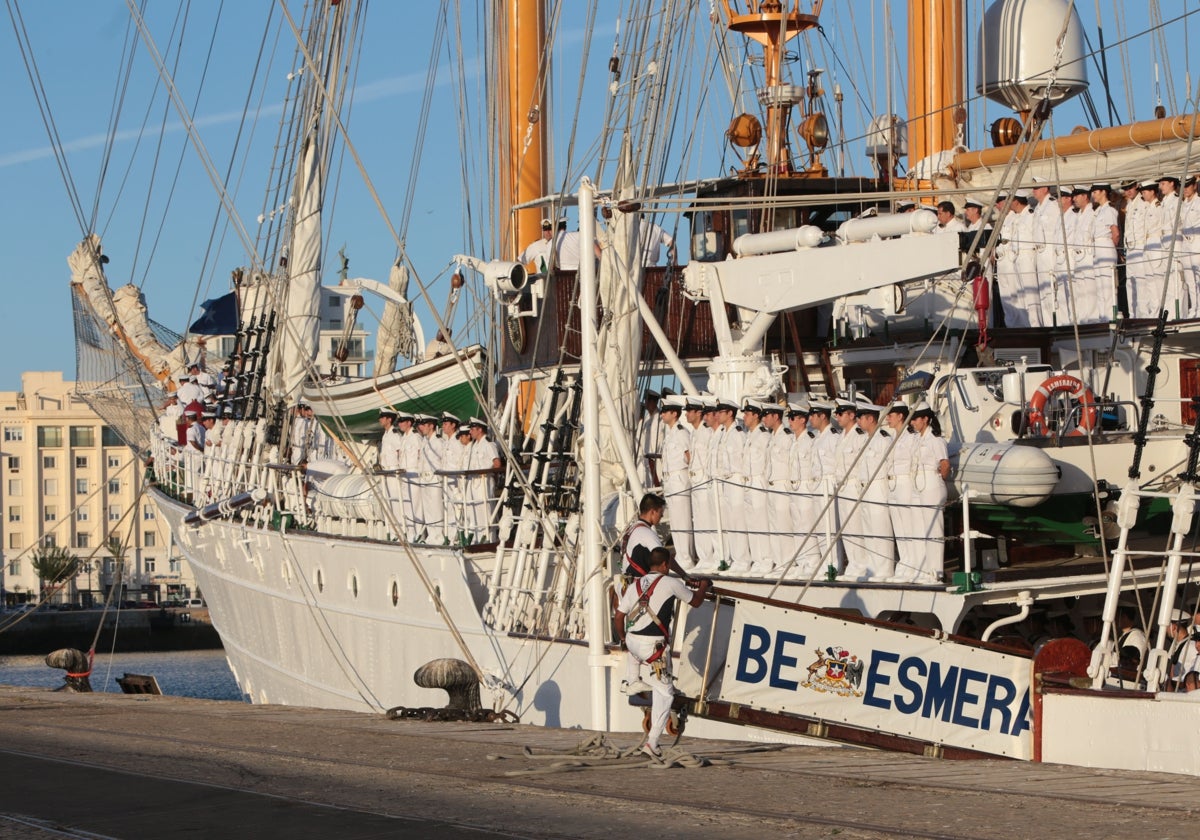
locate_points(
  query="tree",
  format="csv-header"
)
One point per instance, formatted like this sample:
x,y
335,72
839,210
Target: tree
x,y
54,564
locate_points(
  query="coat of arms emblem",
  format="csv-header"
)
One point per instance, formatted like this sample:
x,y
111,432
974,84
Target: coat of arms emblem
x,y
836,671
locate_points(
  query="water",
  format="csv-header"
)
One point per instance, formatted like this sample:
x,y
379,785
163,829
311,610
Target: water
x,y
196,673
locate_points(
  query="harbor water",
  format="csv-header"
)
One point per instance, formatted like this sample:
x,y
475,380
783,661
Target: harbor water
x,y
199,673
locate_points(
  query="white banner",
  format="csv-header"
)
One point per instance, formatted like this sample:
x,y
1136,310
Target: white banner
x,y
878,678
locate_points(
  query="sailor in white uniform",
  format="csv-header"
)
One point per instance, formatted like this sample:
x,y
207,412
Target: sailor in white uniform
x,y
301,438
649,439
757,519
410,447
779,485
676,483
451,454
875,555
1081,259
427,484
481,455
900,490
1139,282
850,442
1047,240
1105,236
1188,247
930,470
1016,269
728,468
805,474
704,513
824,451
948,221
1168,186
388,462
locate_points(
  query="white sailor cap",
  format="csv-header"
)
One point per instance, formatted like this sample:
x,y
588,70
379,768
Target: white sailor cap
x,y
823,406
1080,188
475,421
675,402
905,203
547,224
208,414
462,430
1038,179
1181,617
447,417
724,404
1148,184
862,405
1172,178
899,406
184,378
752,404
1022,194
772,408
693,402
388,411
973,202
922,409
1101,186
798,407
424,418
707,404
842,404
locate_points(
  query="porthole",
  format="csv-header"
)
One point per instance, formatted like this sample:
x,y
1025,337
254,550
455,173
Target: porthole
x,y
354,584
320,581
395,593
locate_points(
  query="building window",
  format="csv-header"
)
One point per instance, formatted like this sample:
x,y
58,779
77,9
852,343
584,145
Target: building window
x,y
81,462
49,462
83,540
176,565
14,541
50,513
81,486
110,438
50,541
13,434
81,514
14,487
149,565
114,513
114,462
49,437
14,513
14,463
148,513
148,539
114,485
335,301
83,436
14,568
50,487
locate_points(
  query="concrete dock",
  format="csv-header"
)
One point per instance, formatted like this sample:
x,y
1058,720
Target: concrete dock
x,y
103,765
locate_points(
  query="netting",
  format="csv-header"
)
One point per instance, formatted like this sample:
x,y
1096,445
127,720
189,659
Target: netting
x,y
111,380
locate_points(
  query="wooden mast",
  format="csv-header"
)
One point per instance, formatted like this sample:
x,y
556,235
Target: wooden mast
x,y
523,147
935,77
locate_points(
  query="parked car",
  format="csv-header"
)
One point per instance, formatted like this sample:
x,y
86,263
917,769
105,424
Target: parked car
x,y
195,603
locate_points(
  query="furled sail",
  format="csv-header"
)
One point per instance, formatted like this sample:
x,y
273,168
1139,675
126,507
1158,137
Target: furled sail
x,y
302,324
396,335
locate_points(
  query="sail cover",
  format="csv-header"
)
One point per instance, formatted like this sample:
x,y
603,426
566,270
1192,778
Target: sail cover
x,y
302,323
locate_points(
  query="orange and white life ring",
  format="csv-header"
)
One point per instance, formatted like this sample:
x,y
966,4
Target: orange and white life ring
x,y
1076,390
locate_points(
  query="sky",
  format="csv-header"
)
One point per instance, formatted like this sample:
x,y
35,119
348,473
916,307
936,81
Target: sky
x,y
164,246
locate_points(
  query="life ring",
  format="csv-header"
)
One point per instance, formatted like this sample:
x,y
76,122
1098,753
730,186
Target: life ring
x,y
1076,390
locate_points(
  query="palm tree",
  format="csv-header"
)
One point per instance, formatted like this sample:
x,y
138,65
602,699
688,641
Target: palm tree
x,y
54,564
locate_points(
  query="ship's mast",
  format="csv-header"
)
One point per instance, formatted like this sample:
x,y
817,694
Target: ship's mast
x,y
767,22
524,87
935,77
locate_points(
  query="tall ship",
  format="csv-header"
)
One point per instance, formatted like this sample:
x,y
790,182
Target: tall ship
x,y
464,514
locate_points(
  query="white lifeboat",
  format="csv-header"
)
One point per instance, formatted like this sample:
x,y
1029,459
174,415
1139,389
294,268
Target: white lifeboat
x,y
1006,474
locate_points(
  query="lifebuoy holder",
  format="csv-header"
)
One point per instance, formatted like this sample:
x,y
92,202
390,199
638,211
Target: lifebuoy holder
x,y
1073,387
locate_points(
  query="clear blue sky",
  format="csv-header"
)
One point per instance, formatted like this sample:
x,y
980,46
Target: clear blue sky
x,y
78,45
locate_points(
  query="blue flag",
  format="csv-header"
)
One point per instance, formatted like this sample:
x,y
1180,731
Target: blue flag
x,y
220,316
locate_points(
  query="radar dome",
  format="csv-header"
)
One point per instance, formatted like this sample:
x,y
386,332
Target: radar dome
x,y
1018,45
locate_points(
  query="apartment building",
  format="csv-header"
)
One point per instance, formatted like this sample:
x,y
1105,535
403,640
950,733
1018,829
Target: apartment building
x,y
69,481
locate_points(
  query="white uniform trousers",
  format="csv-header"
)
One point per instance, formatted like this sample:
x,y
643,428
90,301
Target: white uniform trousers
x,y
1189,263
641,648
452,510
809,535
779,522
1144,287
904,525
1047,291
704,527
478,509
1104,284
868,534
1011,293
729,498
1028,293
930,497
678,490
758,528
1080,283
432,522
394,489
